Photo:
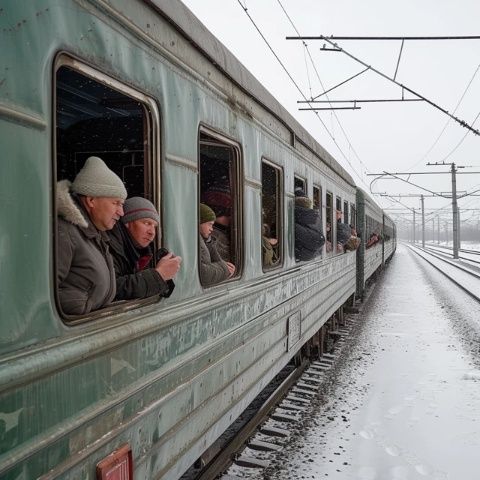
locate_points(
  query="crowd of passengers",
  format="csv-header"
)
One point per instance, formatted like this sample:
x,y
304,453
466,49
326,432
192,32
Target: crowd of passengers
x,y
105,241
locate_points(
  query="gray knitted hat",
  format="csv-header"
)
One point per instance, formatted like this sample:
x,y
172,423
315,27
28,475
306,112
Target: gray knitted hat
x,y
136,208
95,179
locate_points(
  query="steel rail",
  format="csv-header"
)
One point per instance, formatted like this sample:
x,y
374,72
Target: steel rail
x,y
460,285
449,252
222,461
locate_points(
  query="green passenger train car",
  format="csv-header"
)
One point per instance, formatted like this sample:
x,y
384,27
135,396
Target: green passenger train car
x,y
144,86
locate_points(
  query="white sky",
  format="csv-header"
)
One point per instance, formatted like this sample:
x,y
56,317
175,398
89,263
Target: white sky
x,y
383,136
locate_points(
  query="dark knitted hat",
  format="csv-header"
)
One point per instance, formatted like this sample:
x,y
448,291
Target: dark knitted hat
x,y
206,214
219,201
136,208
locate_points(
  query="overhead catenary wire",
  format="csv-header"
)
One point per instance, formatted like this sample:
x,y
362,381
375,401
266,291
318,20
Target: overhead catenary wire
x,y
245,9
448,122
378,72
417,38
324,93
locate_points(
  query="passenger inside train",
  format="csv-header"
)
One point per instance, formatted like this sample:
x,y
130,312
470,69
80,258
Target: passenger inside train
x,y
271,235
219,200
347,239
372,240
309,238
86,209
213,269
219,179
138,273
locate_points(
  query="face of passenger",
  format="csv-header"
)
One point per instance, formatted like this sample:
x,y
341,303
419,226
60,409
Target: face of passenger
x,y
339,214
104,211
142,231
206,229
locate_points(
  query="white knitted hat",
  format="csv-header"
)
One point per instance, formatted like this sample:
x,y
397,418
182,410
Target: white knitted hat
x,y
95,179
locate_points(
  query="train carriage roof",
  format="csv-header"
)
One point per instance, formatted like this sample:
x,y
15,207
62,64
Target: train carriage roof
x,y
194,31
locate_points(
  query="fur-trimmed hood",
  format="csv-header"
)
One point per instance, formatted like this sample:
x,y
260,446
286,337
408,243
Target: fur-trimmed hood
x,y
66,206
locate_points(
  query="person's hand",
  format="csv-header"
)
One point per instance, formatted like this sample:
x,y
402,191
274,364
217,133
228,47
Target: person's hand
x,y
231,268
168,266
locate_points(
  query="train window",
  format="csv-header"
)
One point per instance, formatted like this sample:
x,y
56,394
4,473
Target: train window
x,y
93,119
374,232
329,219
345,212
97,116
338,203
220,190
271,215
338,219
300,185
353,216
317,198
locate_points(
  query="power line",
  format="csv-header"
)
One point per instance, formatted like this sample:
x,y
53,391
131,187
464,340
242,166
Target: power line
x,y
378,72
335,37
245,9
448,122
324,93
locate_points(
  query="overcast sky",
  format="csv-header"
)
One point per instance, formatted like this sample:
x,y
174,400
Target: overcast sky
x,y
395,137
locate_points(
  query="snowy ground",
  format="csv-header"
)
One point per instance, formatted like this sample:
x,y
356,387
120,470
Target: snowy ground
x,y
404,402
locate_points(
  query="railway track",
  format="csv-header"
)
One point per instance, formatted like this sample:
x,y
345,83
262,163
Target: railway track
x,y
257,441
470,256
464,275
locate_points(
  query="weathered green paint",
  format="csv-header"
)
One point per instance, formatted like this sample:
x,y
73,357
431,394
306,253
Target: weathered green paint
x,y
170,377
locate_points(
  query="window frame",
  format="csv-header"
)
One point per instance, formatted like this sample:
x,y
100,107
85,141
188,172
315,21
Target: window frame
x,y
338,203
353,216
346,212
152,162
329,195
280,214
304,182
237,194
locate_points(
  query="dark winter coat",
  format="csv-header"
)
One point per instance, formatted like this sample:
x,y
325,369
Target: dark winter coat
x,y
136,277
344,232
212,268
85,274
309,238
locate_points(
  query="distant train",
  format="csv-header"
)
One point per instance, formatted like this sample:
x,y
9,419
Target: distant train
x,y
145,387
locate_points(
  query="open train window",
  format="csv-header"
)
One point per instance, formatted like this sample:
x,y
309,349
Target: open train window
x,y
300,186
329,219
317,198
374,232
338,219
353,216
96,116
220,191
272,195
345,212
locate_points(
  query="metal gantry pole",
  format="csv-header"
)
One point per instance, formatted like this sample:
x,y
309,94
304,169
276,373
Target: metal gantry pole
x,y
438,229
413,226
423,221
456,236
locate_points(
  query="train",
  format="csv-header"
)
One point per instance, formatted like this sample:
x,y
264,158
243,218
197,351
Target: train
x,y
142,388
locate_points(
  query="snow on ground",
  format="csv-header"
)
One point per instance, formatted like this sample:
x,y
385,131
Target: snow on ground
x,y
404,402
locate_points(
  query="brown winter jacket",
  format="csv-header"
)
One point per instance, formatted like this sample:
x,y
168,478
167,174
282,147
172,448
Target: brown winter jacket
x,y
212,268
85,273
